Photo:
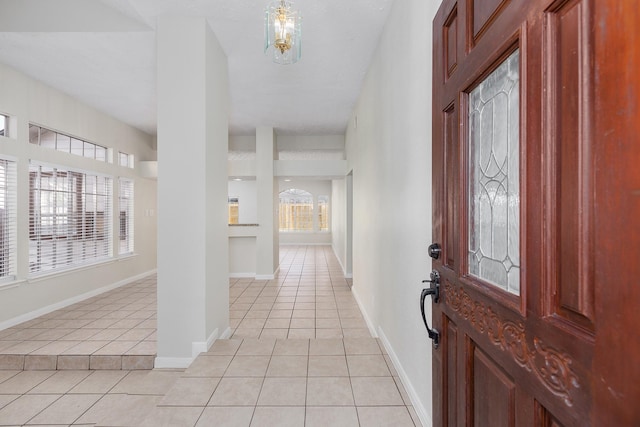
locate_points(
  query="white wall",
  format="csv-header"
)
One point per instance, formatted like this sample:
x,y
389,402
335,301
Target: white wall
x,y
310,142
193,254
245,168
310,168
242,143
339,221
242,240
245,191
290,142
242,256
27,100
267,240
304,238
390,154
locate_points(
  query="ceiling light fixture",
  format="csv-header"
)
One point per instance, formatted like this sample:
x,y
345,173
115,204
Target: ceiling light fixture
x,y
283,29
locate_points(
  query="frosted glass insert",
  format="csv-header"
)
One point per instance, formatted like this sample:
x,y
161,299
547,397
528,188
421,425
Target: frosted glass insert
x,y
494,175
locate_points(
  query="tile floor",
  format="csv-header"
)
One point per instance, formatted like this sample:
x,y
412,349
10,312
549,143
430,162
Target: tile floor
x,y
114,330
239,382
300,355
310,298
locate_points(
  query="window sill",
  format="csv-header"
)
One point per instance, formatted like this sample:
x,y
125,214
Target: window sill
x,y
124,257
35,278
10,284
39,277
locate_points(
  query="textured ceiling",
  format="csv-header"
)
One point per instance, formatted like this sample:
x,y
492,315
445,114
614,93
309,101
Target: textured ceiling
x,y
103,53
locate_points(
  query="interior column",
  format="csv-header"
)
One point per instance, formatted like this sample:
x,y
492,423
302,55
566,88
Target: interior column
x,y
267,241
193,252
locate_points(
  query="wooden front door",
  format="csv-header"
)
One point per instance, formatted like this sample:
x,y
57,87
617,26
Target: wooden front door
x,y
536,184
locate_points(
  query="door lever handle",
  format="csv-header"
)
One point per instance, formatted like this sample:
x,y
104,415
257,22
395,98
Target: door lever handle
x,y
434,291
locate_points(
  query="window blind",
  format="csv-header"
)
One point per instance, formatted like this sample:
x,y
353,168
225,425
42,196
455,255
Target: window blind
x,y
125,202
70,219
4,121
8,220
125,159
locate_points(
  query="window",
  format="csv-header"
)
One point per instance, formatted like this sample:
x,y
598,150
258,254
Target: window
x,y
4,125
323,213
296,210
125,201
234,210
69,218
125,159
8,219
61,142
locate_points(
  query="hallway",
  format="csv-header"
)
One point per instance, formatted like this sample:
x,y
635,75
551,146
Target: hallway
x,y
300,355
310,298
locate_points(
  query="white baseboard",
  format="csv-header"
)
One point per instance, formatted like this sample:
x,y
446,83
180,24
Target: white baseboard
x,y
268,276
425,419
172,362
69,301
212,338
367,319
344,270
305,244
242,275
198,347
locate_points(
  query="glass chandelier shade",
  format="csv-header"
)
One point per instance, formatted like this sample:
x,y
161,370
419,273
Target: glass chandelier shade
x,y
283,30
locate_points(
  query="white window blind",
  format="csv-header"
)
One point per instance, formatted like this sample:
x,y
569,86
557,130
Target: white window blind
x,y
70,218
125,201
125,159
4,122
8,220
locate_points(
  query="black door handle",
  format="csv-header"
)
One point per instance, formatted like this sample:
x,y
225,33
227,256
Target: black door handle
x,y
434,291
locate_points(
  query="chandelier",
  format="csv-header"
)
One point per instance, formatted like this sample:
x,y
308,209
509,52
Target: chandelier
x,y
282,28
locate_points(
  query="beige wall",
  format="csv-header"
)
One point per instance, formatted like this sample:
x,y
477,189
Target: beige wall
x,y
27,100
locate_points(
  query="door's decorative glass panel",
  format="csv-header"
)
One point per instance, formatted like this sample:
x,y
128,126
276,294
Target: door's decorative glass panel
x,y
494,174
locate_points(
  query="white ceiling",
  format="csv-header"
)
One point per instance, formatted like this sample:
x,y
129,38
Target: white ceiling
x,y
103,53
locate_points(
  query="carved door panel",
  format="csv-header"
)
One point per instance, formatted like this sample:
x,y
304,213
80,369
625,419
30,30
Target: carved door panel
x,y
529,127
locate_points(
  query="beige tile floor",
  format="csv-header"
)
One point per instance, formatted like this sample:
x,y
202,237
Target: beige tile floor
x,y
310,298
300,355
239,382
114,330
